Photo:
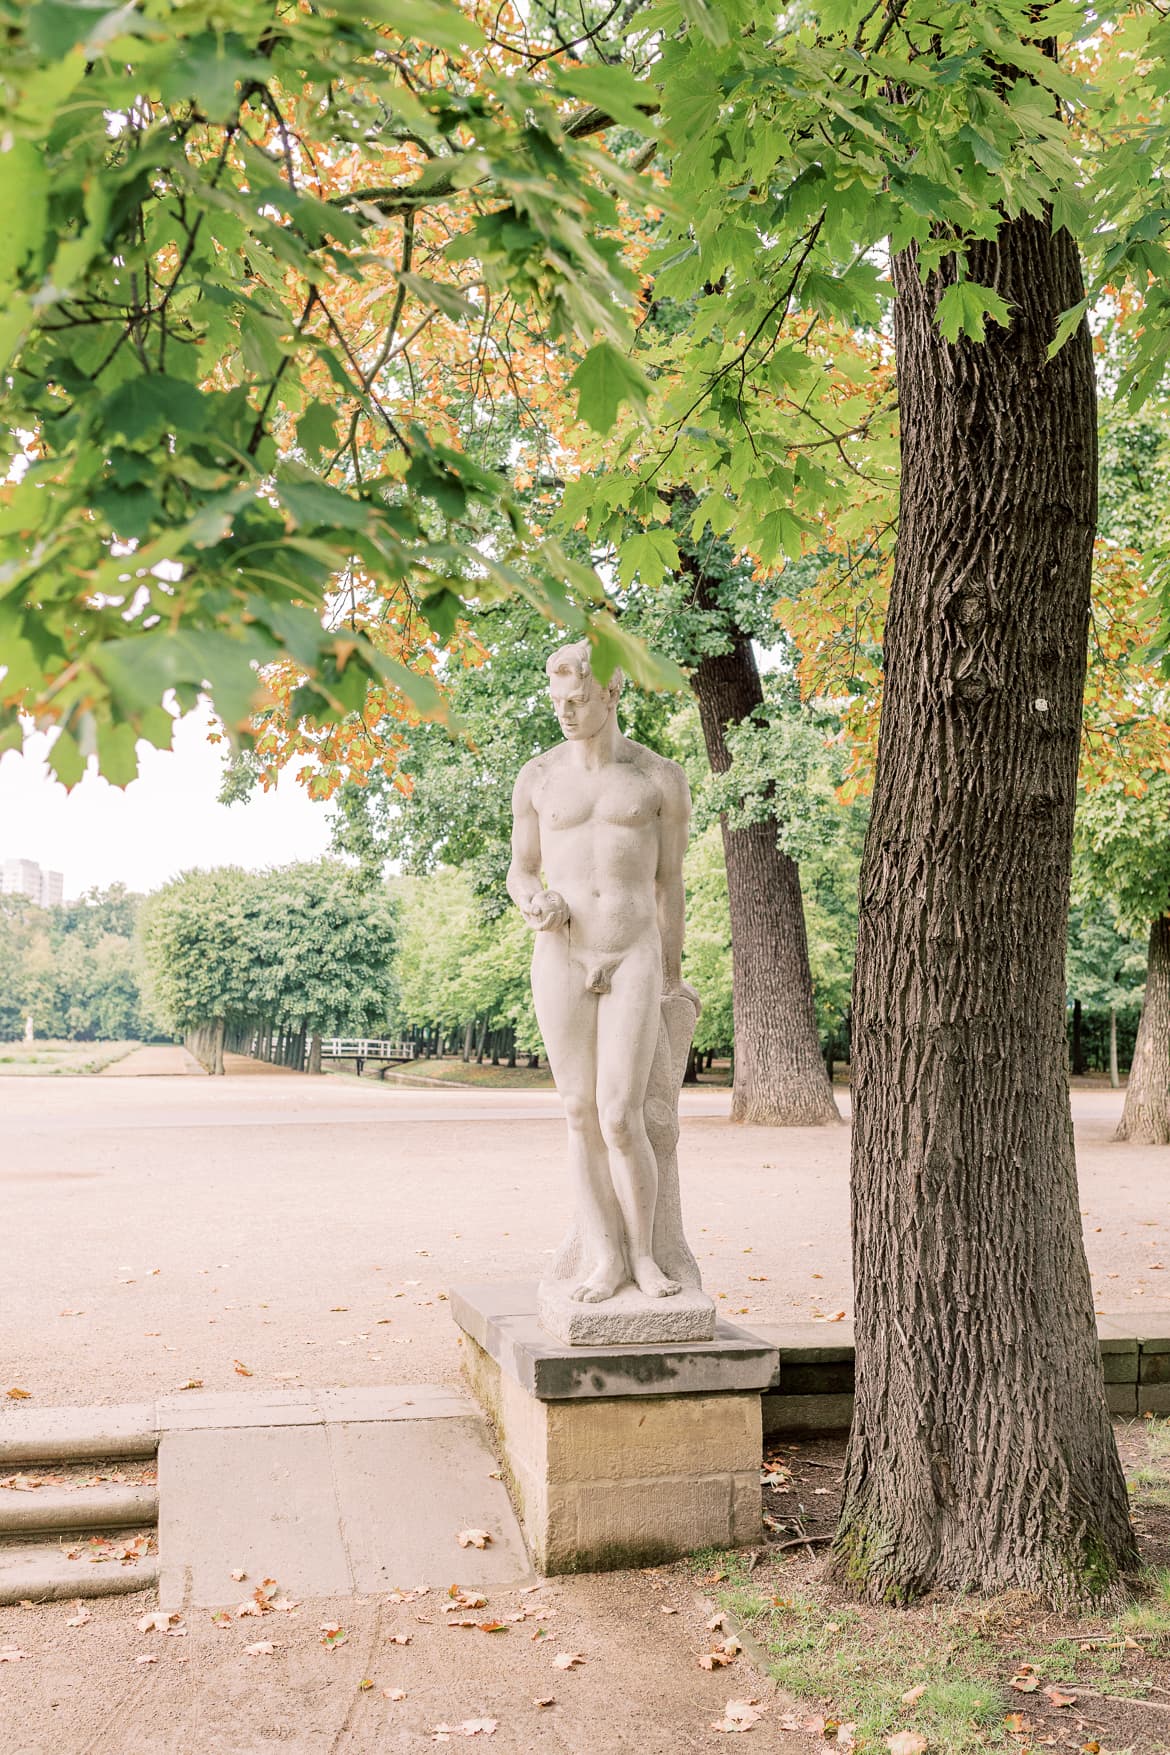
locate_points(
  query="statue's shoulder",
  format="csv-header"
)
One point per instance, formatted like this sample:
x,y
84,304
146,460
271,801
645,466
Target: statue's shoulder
x,y
667,774
534,771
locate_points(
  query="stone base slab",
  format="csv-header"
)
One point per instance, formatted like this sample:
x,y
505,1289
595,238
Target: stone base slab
x,y
620,1458
502,1320
628,1319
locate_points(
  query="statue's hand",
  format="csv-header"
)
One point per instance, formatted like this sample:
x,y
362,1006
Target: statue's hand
x,y
547,911
685,990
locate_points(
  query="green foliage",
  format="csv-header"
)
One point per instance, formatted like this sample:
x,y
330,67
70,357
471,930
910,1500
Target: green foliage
x,y
458,808
72,969
456,964
1122,852
302,946
173,273
707,948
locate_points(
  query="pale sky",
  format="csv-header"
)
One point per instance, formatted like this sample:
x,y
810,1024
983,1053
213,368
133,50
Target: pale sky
x,y
162,823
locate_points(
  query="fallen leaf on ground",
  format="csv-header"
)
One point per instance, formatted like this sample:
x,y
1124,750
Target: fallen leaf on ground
x,y
462,1621
913,1694
191,1383
906,1743
11,1654
463,1599
365,1684
394,1694
20,1395
1024,1683
738,1715
221,1618
545,1700
158,1622
1058,1698
147,1657
401,1638
240,1368
568,1660
285,1605
260,1648
335,1634
1017,1724
473,1538
410,1596
476,1727
717,1623
665,1609
81,1617
239,1575
715,1660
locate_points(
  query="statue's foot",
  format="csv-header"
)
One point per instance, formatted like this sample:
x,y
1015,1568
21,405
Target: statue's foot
x,y
652,1281
602,1283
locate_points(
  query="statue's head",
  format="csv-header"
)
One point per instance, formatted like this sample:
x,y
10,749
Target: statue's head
x,y
581,704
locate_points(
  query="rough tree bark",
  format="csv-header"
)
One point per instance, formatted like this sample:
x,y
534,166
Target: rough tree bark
x,y
779,1074
981,1454
315,1052
1146,1116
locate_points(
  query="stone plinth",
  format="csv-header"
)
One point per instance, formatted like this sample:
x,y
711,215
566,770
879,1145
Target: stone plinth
x,y
618,1456
627,1319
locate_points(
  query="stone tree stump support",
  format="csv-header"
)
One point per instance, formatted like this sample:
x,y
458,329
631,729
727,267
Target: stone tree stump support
x,y
618,1455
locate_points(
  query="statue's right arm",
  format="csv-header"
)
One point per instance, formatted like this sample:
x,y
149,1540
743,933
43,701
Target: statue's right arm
x,y
524,880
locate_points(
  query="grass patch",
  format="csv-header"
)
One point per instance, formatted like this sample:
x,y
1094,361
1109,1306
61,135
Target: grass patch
x,y
846,1662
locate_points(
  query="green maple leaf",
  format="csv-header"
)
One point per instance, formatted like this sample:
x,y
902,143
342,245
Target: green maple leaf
x,y
603,381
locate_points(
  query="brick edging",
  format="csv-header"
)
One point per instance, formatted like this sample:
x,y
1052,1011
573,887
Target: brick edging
x,y
812,1390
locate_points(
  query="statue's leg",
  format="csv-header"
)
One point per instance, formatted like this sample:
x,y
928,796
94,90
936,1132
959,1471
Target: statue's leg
x,y
567,1015
627,1036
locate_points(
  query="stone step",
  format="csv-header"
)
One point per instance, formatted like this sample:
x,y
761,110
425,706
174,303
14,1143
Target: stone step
x,y
108,1506
49,1435
43,1572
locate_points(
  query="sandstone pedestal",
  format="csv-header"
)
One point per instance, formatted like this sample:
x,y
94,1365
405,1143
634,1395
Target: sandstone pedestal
x,y
618,1455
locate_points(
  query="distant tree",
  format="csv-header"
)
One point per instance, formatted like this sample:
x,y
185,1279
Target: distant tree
x,y
73,969
1105,974
460,967
1123,861
281,955
199,954
324,945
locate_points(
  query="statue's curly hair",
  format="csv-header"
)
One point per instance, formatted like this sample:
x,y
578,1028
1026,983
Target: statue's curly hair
x,y
575,661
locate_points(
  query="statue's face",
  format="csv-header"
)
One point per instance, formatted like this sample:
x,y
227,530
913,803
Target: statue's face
x,y
581,705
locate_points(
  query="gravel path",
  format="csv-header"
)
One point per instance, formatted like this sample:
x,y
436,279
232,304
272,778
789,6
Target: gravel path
x,y
163,1229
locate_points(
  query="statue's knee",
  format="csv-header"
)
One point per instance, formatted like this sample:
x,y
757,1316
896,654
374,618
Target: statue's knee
x,y
619,1124
577,1112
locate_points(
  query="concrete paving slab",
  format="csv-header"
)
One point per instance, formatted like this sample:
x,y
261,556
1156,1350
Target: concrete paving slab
x,y
260,1499
407,1488
409,1401
218,1409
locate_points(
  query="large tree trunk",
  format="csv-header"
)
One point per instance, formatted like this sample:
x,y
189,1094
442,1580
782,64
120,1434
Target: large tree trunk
x,y
1146,1116
315,1052
780,1077
981,1454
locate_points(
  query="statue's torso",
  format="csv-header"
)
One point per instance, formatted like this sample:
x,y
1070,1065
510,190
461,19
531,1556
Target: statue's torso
x,y
599,842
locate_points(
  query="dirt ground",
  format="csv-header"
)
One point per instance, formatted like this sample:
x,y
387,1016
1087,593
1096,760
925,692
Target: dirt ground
x,y
392,1677
963,1674
162,1229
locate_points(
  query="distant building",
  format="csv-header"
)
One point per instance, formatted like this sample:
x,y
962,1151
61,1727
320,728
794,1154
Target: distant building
x,y
24,877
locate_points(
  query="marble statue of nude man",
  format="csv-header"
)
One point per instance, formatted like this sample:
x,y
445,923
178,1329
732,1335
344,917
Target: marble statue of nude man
x,y
599,832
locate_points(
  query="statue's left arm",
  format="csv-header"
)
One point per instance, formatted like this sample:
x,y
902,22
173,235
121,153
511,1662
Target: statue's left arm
x,y
673,829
